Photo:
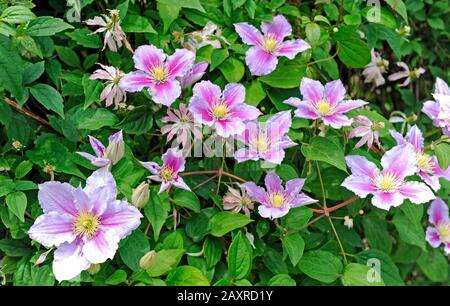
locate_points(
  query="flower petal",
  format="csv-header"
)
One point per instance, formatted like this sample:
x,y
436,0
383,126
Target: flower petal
x,y
165,93
135,81
234,94
246,112
101,178
206,92
386,200
274,155
360,166
260,62
433,237
417,192
311,90
249,34
273,183
431,109
291,48
148,56
255,191
180,62
57,197
438,212
174,159
53,229
68,261
179,182
337,121
415,137
361,186
151,166
294,186
227,128
272,212
440,87
101,247
348,105
400,160
96,161
335,92
279,27
278,125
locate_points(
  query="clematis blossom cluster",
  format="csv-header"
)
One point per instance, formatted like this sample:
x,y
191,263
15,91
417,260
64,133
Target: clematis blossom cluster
x,y
388,186
84,224
439,110
324,102
266,47
158,73
276,200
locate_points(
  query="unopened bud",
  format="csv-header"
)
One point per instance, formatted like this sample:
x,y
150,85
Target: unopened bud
x,y
335,29
147,260
361,212
140,195
348,222
116,148
94,269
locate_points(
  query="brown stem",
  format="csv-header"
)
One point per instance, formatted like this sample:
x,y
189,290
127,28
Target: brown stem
x,y
376,150
336,207
28,113
218,172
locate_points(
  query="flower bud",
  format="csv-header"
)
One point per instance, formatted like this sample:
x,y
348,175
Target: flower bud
x,y
116,148
94,269
147,260
140,195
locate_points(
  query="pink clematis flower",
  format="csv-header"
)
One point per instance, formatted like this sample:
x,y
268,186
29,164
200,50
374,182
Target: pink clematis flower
x,y
267,140
262,57
406,74
182,125
112,93
367,130
440,232
226,111
167,174
427,165
109,155
236,201
388,186
439,110
277,201
158,73
85,224
373,72
194,75
325,102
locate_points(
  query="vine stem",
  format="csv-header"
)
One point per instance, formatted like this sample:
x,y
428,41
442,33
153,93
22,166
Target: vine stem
x,y
28,113
336,207
217,172
376,150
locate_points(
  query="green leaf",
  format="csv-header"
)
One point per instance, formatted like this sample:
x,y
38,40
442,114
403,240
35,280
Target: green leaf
x,y
137,24
359,275
436,23
68,56
92,90
186,276
17,203
377,234
296,218
389,271
254,93
400,7
30,275
320,265
94,119
47,26
11,69
281,280
312,33
232,69
354,53
224,222
217,58
32,72
138,121
410,232
239,257
15,248
326,149
380,15
186,199
132,248
212,251
157,211
49,97
165,260
434,265
85,38
285,76
442,151
352,19
293,246
118,277
23,168
168,13
17,14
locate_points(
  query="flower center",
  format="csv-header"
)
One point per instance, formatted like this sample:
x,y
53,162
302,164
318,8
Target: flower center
x,y
277,199
386,182
159,73
323,107
270,43
376,126
219,110
117,79
86,224
262,144
245,201
424,162
444,232
166,174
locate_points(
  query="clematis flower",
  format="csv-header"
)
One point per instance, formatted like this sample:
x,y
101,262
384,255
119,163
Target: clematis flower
x,y
236,201
400,117
167,174
427,165
325,102
267,140
158,73
182,125
209,35
114,35
406,74
193,75
367,130
440,232
109,155
439,110
388,186
373,72
112,93
262,57
277,201
225,111
85,224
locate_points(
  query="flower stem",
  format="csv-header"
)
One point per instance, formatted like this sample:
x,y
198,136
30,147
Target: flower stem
x,y
218,172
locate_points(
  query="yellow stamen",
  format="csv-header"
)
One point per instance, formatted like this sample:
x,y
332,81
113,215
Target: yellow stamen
x,y
386,182
323,107
86,224
377,125
424,162
262,144
245,201
277,200
444,232
159,73
166,174
219,110
270,43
